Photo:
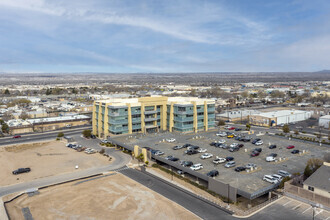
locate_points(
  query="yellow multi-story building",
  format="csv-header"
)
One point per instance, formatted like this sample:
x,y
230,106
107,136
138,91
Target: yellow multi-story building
x,y
152,114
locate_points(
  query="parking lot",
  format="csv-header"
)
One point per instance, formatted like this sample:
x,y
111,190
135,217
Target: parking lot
x,y
247,181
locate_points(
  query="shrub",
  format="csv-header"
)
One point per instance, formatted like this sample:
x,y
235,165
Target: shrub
x,y
61,134
58,139
102,151
221,123
147,162
285,179
87,133
286,128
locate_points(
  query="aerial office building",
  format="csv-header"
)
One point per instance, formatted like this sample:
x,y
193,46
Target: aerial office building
x,y
152,114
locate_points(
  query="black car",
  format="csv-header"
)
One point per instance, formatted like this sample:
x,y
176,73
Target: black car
x,y
239,169
232,149
191,152
217,145
229,158
213,173
193,147
177,147
240,145
256,140
273,155
213,143
93,136
186,145
21,170
238,138
174,159
258,149
148,148
272,146
187,163
238,129
295,152
247,139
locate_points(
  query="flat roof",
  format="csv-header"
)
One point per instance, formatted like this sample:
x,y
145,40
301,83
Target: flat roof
x,y
280,113
56,119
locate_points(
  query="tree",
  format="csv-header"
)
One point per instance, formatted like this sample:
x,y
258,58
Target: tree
x,y
245,94
286,128
61,134
221,123
312,165
261,94
296,132
4,128
87,133
48,92
24,115
7,92
285,179
140,157
248,127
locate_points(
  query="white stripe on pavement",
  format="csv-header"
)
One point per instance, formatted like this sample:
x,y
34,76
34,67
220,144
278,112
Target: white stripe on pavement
x,y
287,203
307,209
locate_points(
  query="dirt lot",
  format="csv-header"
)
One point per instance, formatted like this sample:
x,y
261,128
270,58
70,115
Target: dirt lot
x,y
44,159
110,197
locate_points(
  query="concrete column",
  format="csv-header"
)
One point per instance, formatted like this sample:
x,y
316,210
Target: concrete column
x,y
143,129
163,117
94,122
99,124
206,124
106,120
136,151
195,117
145,156
129,112
171,118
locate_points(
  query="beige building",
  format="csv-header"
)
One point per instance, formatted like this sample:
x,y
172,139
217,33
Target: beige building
x,y
319,181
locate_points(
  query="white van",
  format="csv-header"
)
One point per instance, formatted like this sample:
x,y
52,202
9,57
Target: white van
x,y
284,173
270,179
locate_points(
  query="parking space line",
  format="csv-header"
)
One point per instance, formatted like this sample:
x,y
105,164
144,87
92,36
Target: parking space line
x,y
287,203
297,206
307,209
327,218
321,210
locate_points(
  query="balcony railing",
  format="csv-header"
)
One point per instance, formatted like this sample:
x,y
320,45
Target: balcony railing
x,y
150,112
150,119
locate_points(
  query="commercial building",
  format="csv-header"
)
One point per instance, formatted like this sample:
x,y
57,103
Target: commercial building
x,y
152,114
279,117
324,121
236,115
319,181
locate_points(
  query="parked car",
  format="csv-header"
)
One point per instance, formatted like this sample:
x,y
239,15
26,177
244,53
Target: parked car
x,y
186,145
227,127
270,179
238,129
93,136
221,134
230,164
222,141
230,136
105,141
159,153
256,140
174,159
232,149
258,143
284,173
229,158
17,136
191,152
180,172
170,140
233,145
270,159
213,143
240,145
187,163
202,150
272,146
238,138
224,146
250,165
219,160
295,152
278,177
255,153
290,147
192,148
239,169
231,128
197,166
246,139
273,155
21,170
169,157
213,173
177,147
257,149
206,156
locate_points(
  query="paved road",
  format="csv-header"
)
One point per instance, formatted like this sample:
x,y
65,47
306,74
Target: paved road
x,y
197,206
41,136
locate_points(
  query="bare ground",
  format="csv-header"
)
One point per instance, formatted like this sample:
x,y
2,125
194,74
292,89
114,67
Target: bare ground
x,y
44,159
110,197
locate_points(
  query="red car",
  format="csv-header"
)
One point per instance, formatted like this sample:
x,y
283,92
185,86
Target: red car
x,y
231,128
17,136
255,153
290,147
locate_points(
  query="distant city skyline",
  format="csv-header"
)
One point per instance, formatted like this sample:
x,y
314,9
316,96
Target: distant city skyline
x,y
164,36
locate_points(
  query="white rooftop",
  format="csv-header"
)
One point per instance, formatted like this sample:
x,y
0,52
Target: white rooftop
x,y
56,119
281,113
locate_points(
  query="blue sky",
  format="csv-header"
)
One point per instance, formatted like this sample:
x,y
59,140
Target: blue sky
x,y
164,36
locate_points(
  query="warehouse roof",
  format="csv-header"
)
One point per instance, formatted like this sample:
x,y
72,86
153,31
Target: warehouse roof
x,y
281,113
57,119
325,117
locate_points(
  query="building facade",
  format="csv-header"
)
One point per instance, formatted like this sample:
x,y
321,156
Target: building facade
x,y
152,114
324,121
279,117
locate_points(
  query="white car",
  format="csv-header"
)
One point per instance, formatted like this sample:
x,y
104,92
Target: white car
x,y
250,165
270,179
278,177
233,145
158,153
105,141
270,159
259,143
222,134
196,166
202,150
206,156
219,160
170,140
227,127
222,141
